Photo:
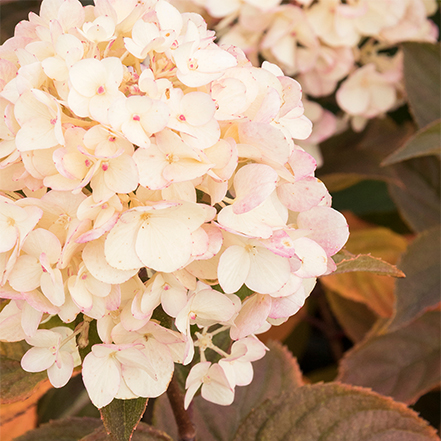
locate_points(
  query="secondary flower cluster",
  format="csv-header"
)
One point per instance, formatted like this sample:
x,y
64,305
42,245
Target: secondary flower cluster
x,y
343,46
141,166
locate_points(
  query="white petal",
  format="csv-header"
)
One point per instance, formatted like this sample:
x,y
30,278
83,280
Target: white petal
x,y
60,375
234,265
163,244
102,377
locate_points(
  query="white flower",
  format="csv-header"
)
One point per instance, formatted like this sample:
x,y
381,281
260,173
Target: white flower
x,y
53,351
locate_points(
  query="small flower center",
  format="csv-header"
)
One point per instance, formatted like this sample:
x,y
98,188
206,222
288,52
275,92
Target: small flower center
x,y
192,64
182,118
104,166
101,90
136,118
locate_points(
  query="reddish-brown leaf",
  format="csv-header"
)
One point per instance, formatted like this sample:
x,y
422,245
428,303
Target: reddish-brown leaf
x,y
277,372
403,364
333,412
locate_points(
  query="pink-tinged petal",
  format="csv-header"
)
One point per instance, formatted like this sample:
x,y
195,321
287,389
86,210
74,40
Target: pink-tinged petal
x,y
80,295
212,306
270,141
173,301
280,243
39,302
312,256
26,274
191,392
214,60
163,244
327,226
202,137
197,372
302,195
78,103
216,388
229,95
270,107
10,323
168,16
302,164
233,269
36,134
238,373
215,240
96,263
162,365
43,241
60,375
8,234
191,214
121,176
87,75
290,287
119,247
99,105
38,359
52,287
182,321
195,78
253,184
255,348
134,357
113,300
134,132
200,241
287,306
185,170
268,271
251,317
198,108
151,163
130,322
30,319
258,222
352,97
148,300
102,377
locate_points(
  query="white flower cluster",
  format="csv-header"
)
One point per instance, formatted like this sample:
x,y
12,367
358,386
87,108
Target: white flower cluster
x,y
349,45
141,165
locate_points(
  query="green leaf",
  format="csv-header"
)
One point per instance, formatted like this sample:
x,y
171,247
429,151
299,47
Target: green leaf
x,y
86,429
421,289
348,262
333,412
425,142
417,199
275,373
404,364
15,383
69,429
121,417
355,318
143,432
421,77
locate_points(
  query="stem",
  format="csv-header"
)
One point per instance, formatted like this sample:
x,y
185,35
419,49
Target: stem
x,y
330,328
186,427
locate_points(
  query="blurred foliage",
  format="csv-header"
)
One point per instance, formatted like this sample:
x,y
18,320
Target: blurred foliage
x,y
372,330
